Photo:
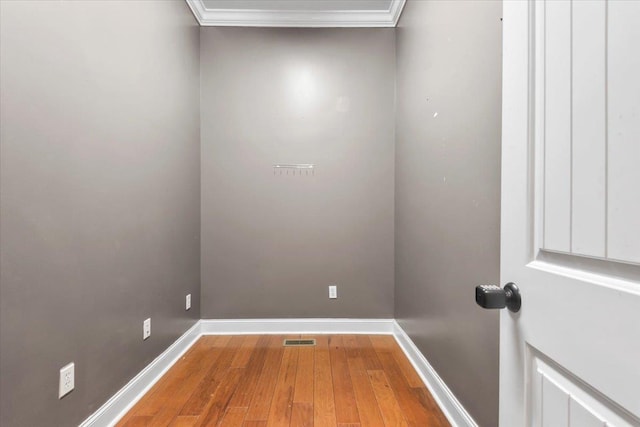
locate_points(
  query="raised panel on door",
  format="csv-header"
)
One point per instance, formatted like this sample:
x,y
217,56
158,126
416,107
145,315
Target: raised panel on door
x,y
624,131
588,134
557,125
562,401
589,127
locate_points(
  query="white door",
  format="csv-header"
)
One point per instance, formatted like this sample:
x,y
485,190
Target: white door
x,y
571,213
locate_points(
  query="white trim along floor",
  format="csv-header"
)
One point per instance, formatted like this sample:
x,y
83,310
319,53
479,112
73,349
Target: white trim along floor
x,y
116,407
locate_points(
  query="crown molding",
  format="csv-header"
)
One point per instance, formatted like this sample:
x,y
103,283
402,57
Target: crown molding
x,y
294,18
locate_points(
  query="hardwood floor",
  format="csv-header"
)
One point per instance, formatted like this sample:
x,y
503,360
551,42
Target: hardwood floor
x,y
251,381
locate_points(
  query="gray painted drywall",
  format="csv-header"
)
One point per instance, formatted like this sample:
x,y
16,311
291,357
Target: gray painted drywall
x,y
271,243
447,192
100,211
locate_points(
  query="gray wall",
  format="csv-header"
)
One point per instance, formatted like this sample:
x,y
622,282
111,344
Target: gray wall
x,y
448,191
271,243
99,180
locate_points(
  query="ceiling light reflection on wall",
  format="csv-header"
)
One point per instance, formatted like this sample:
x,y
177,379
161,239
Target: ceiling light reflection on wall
x,y
303,87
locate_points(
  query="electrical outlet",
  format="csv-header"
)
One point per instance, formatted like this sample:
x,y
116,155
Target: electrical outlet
x,y
188,302
333,292
146,329
67,380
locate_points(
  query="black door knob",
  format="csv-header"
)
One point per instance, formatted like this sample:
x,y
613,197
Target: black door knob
x,y
492,296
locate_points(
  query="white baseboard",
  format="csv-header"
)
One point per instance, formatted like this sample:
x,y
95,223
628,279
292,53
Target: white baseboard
x,y
296,326
451,407
116,407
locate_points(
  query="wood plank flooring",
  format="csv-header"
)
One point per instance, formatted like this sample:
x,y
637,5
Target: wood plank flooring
x,y
253,381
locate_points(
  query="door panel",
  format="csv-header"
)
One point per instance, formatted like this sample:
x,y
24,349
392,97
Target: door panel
x,y
562,400
557,127
624,130
554,402
587,63
588,130
571,213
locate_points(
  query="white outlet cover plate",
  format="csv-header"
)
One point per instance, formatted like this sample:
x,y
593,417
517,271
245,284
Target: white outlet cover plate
x,y
146,329
333,292
188,302
67,380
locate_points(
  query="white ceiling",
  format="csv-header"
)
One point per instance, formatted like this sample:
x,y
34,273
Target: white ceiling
x,y
297,13
299,4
